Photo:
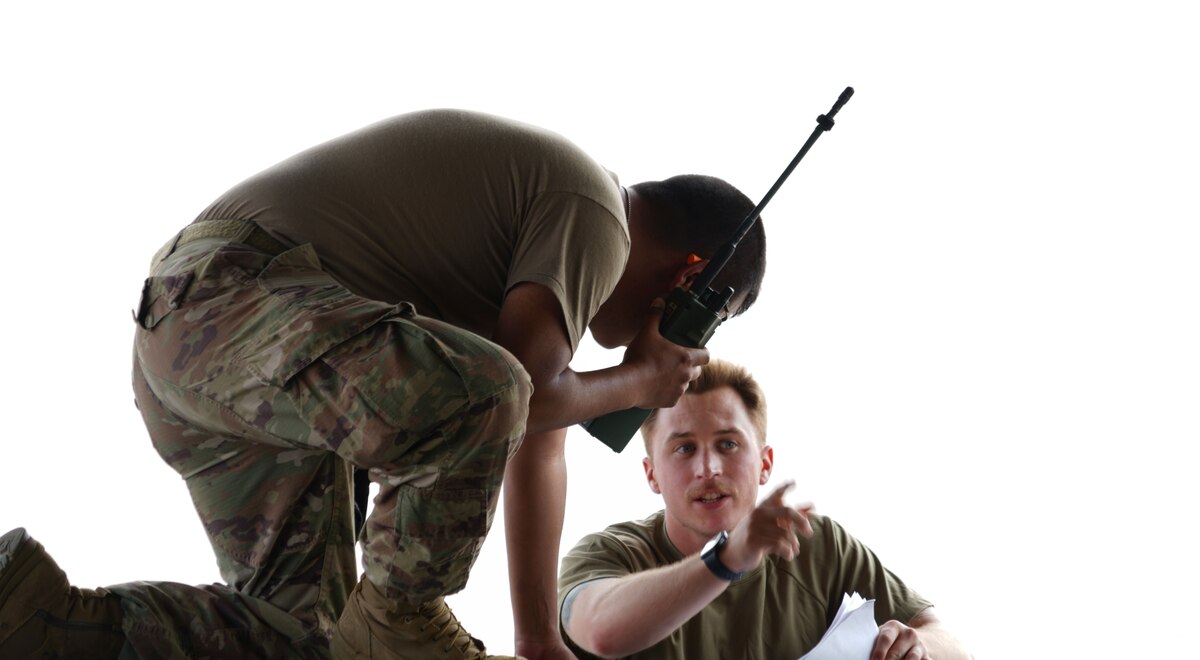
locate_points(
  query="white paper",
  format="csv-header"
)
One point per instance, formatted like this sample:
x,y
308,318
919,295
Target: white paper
x,y
852,633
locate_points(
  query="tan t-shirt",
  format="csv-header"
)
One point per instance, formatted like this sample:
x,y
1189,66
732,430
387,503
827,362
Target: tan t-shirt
x,y
779,610
448,210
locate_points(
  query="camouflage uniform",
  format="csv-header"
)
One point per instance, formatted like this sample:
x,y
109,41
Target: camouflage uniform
x,y
263,381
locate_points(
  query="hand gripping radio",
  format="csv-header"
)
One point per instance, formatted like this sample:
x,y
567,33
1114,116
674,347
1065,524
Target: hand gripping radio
x,y
692,315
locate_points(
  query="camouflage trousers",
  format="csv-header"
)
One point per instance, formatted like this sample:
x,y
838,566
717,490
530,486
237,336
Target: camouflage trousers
x,y
263,383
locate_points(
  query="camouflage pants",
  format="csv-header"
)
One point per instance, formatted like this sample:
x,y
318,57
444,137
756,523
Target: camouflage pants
x,y
263,382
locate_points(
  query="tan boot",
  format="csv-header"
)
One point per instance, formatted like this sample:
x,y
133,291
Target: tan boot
x,y
42,615
373,628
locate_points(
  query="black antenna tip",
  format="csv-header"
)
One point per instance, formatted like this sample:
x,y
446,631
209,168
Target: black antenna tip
x,y
847,94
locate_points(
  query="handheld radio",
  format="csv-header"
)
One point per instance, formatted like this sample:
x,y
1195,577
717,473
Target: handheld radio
x,y
692,315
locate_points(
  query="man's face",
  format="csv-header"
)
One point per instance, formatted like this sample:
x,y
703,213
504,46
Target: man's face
x,y
707,463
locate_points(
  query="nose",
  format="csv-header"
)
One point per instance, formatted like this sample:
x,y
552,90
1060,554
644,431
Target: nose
x,y
709,464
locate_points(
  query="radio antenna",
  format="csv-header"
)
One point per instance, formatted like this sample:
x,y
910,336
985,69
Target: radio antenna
x,y
718,261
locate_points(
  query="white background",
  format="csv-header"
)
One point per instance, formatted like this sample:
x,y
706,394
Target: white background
x,y
977,332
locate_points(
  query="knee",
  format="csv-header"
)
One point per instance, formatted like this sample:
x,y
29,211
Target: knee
x,y
439,383
522,388
488,425
501,392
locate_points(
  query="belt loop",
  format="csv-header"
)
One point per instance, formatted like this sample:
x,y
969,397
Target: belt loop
x,y
248,227
235,231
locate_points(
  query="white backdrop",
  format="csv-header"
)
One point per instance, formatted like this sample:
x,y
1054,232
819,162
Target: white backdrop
x,y
978,328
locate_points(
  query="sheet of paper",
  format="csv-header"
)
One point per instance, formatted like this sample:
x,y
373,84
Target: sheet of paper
x,y
852,633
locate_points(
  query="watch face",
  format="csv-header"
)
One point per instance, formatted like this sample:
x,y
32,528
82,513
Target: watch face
x,y
715,541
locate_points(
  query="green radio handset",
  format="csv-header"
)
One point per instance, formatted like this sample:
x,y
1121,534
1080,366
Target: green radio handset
x,y
692,315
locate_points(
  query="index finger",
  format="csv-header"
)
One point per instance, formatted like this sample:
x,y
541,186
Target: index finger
x,y
776,496
884,641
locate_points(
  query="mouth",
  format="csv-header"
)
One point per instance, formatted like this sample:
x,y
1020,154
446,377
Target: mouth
x,y
711,498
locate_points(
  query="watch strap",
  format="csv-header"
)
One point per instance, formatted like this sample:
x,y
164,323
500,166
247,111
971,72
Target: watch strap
x,y
714,563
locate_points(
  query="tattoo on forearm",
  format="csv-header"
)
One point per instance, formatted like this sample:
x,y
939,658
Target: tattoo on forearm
x,y
569,602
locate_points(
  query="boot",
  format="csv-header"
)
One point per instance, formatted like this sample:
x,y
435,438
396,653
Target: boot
x,y
373,628
43,616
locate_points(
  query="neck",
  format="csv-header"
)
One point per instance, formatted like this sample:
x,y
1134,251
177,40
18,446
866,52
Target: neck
x,y
685,539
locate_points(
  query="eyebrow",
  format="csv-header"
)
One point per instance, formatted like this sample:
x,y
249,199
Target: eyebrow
x,y
732,430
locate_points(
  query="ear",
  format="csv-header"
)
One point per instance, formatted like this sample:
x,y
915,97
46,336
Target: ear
x,y
768,461
684,276
648,466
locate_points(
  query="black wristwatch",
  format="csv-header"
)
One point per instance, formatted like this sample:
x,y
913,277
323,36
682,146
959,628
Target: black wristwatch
x,y
713,562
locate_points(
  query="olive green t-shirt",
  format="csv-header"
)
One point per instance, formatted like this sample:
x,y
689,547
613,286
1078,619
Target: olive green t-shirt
x,y
448,210
778,611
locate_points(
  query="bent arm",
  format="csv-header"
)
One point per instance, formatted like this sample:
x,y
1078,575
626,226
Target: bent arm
x,y
615,617
621,616
652,374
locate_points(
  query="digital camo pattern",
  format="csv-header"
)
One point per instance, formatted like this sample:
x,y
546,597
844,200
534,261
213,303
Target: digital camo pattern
x,y
262,381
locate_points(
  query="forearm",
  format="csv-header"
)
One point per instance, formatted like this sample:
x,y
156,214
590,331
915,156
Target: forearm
x,y
653,373
535,488
940,644
571,397
622,616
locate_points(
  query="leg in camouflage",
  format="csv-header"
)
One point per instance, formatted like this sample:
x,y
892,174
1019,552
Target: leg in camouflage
x,y
262,381
43,616
279,524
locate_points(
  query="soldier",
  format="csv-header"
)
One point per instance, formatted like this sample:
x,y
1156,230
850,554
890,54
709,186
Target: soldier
x,y
714,575
404,300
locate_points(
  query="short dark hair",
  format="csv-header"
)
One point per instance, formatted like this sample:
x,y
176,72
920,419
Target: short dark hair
x,y
697,213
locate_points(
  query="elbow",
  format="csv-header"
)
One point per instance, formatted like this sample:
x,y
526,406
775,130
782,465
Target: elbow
x,y
599,644
599,625
611,641
542,447
597,638
544,414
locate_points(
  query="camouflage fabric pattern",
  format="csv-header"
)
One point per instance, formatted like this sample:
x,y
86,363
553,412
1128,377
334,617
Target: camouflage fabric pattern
x,y
262,381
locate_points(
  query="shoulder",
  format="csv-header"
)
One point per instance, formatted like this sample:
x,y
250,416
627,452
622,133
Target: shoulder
x,y
822,554
617,550
833,548
634,537
828,535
